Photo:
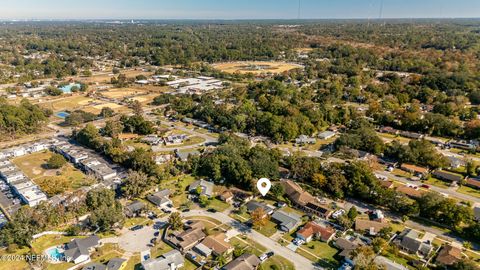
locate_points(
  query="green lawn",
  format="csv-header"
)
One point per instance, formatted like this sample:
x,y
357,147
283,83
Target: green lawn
x,y
279,262
160,249
268,230
106,252
437,182
14,265
41,244
469,191
218,205
322,250
178,185
67,178
130,222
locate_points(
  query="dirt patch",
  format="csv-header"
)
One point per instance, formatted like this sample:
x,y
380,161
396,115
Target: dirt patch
x,y
255,67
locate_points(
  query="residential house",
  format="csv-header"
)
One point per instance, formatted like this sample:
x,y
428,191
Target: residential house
x,y
254,205
304,139
161,159
78,250
286,221
226,196
411,135
184,155
313,230
175,139
370,227
160,198
456,162
387,184
410,242
413,193
476,213
462,145
326,135
447,176
388,264
347,245
205,187
116,264
389,130
189,237
473,182
305,201
416,170
134,209
448,255
171,260
217,244
152,140
243,262
241,195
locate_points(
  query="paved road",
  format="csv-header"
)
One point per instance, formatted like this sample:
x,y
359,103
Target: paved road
x,y
298,261
449,191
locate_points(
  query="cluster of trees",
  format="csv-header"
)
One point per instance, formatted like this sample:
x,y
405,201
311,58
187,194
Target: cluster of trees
x,y
356,180
236,163
361,136
56,161
139,159
78,117
137,124
26,118
419,152
106,214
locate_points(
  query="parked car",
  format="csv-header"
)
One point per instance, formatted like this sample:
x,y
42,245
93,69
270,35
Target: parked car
x,y
136,227
153,240
211,210
425,186
263,257
270,254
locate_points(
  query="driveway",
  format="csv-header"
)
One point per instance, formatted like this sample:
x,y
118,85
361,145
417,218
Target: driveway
x,y
298,261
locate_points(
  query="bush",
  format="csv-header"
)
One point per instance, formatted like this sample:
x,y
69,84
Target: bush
x,y
56,161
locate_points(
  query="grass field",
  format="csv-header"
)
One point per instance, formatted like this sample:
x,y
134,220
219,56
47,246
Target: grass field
x,y
322,252
67,103
269,229
255,67
178,186
67,178
122,92
469,191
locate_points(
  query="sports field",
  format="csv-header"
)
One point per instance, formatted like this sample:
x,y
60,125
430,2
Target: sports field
x,y
255,67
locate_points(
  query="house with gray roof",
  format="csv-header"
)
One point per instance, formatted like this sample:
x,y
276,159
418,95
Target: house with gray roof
x,y
116,264
205,187
254,205
78,250
409,241
286,221
134,209
160,198
171,260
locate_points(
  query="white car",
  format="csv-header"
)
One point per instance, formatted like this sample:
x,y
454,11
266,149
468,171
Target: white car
x,y
263,257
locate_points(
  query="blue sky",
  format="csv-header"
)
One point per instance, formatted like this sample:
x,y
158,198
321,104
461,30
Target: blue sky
x,y
235,9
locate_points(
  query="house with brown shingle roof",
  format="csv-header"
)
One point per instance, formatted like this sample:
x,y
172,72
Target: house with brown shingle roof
x,y
217,244
304,200
226,196
244,262
189,237
312,230
448,255
411,192
473,182
417,170
371,227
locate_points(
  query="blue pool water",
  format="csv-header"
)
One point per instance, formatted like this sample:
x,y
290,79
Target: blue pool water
x,y
55,254
62,114
68,88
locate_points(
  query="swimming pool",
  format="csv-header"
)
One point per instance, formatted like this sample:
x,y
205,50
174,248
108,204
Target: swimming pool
x,y
54,254
62,114
68,88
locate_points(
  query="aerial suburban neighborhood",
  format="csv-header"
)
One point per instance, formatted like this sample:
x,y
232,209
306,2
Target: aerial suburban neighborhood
x,y
240,145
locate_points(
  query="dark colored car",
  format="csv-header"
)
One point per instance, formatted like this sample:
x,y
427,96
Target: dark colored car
x,y
136,227
211,210
425,186
270,254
